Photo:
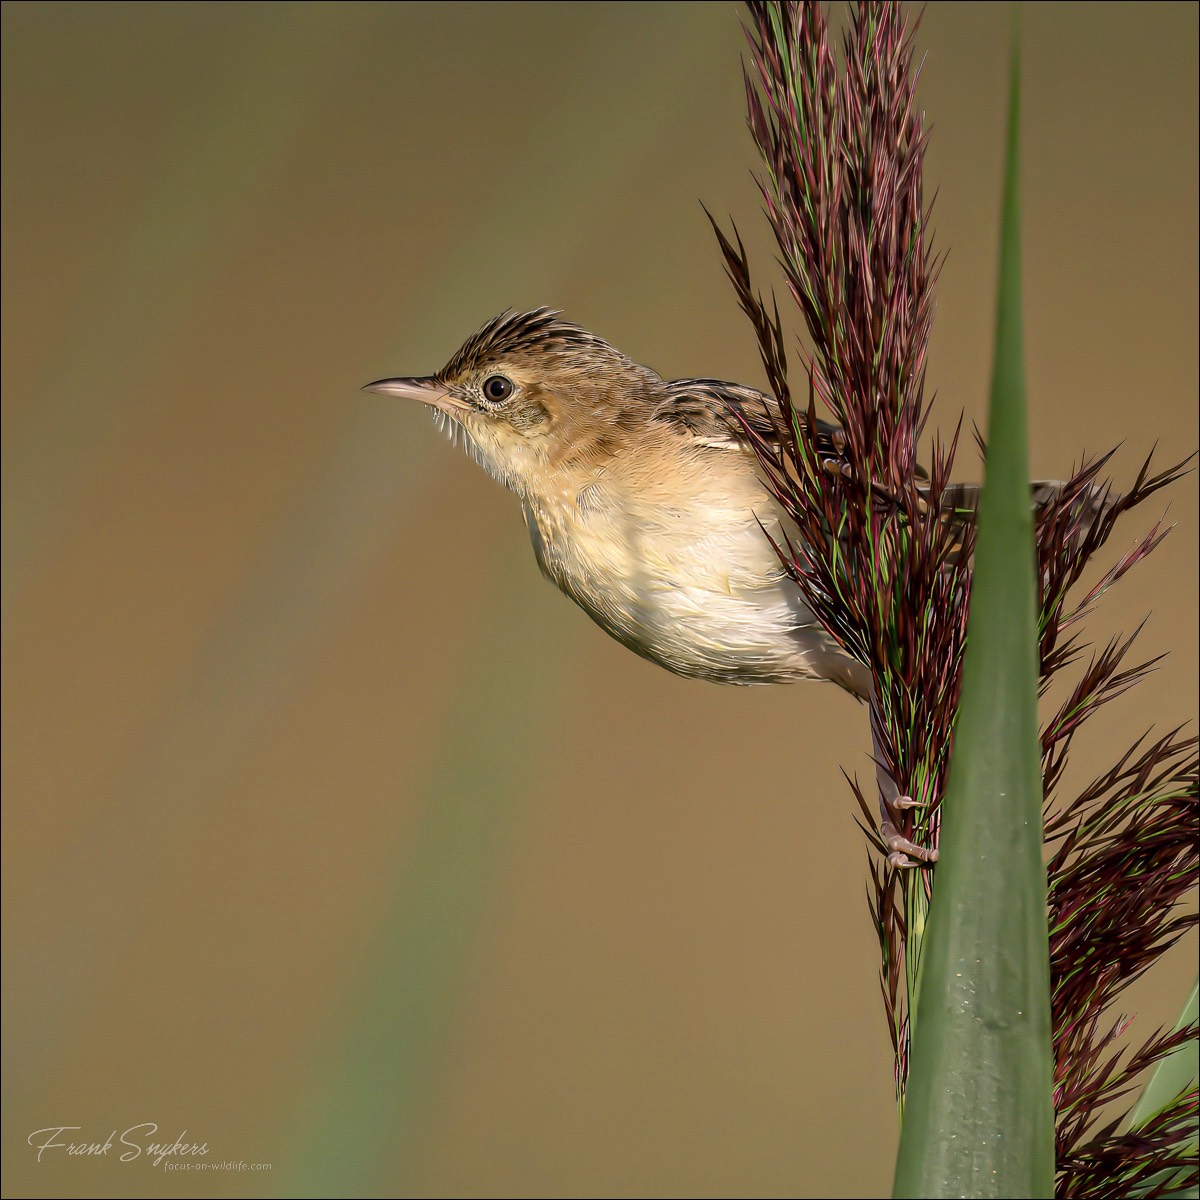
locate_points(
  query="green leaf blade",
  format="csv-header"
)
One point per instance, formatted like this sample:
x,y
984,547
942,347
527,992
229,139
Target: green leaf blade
x,y
979,1117
1176,1074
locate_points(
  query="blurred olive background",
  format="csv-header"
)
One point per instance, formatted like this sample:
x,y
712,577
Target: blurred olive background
x,y
334,835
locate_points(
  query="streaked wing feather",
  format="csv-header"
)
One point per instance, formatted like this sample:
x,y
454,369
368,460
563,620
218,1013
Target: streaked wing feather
x,y
724,416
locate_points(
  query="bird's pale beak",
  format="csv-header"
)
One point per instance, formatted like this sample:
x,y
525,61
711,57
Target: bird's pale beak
x,y
427,391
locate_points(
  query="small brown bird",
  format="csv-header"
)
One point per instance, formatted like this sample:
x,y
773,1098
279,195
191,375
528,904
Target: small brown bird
x,y
644,502
643,499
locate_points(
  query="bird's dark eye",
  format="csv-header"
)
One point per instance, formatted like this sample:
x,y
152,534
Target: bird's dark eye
x,y
497,389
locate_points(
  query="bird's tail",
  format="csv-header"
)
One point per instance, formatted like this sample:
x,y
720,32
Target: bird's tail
x,y
962,499
960,503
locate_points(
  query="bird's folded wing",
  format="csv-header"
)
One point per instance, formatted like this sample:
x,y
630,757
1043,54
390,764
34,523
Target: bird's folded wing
x,y
729,416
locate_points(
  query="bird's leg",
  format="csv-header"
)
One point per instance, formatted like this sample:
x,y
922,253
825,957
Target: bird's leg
x,y
901,851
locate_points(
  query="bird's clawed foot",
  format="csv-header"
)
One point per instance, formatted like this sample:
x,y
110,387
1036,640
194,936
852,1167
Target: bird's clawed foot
x,y
902,852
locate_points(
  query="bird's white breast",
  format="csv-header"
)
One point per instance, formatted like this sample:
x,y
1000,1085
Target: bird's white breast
x,y
689,581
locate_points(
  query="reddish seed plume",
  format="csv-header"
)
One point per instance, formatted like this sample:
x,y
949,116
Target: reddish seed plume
x,y
842,151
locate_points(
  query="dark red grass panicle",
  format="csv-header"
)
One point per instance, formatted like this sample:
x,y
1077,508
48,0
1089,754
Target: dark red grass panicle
x,y
843,191
1073,523
1124,855
871,553
1159,1159
888,574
